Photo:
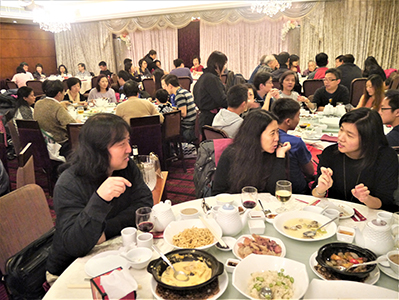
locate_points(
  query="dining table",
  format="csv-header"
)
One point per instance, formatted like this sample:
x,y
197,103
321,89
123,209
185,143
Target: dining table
x,y
74,282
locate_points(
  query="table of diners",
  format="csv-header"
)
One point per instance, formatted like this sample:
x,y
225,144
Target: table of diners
x,y
73,283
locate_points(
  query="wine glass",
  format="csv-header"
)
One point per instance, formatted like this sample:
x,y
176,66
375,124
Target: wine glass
x,y
283,193
144,219
249,195
312,107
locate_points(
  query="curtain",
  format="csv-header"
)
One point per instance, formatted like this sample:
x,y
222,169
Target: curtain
x,y
87,43
243,43
359,27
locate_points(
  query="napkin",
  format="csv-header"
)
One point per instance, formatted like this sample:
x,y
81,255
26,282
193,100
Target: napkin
x,y
118,284
328,138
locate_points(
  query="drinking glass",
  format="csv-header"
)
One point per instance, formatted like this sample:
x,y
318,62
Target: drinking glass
x,y
144,219
80,110
283,193
312,107
249,196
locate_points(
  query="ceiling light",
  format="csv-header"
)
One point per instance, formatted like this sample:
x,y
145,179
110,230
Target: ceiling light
x,y
53,21
271,7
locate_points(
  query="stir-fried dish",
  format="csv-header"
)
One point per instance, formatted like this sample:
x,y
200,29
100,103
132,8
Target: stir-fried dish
x,y
346,260
258,245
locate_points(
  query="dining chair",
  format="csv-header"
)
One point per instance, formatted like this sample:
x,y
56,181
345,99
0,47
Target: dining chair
x,y
357,90
24,217
212,133
94,80
30,132
311,85
395,83
37,87
65,84
14,136
26,168
171,135
185,82
158,192
73,130
149,86
276,84
11,85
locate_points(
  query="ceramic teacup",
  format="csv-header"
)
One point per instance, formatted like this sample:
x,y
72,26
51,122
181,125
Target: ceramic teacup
x,y
189,213
393,260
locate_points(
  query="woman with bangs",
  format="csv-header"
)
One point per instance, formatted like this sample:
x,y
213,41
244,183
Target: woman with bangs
x,y
373,93
98,192
255,158
361,167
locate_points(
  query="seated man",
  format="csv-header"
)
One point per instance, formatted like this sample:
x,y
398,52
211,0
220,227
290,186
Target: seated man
x,y
301,166
52,116
332,92
185,103
82,72
135,107
389,112
349,71
322,62
181,70
123,76
283,60
264,90
229,119
97,194
267,63
104,69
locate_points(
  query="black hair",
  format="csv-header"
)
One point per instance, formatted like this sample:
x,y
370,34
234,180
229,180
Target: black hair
x,y
131,88
158,74
348,58
283,58
162,95
252,87
59,67
284,108
141,62
172,79
393,97
177,62
335,72
371,133
294,57
124,75
152,52
126,60
20,69
236,95
322,59
102,64
53,87
99,77
261,78
284,75
83,65
23,92
197,57
23,64
39,65
128,66
340,58
91,159
72,81
216,61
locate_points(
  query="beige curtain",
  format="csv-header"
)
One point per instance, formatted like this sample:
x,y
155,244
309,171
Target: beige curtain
x,y
359,27
88,43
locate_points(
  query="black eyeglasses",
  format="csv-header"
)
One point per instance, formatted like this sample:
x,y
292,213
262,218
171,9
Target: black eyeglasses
x,y
385,108
329,80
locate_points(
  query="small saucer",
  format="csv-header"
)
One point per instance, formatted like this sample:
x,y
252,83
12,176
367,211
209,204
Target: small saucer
x,y
230,241
388,271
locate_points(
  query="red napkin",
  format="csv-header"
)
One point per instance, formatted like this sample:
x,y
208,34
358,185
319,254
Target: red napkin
x,y
329,138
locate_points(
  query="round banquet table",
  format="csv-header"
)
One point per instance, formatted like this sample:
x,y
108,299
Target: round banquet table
x,y
73,282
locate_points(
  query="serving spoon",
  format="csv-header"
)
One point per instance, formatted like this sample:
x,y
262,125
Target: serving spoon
x,y
312,233
342,268
179,275
266,293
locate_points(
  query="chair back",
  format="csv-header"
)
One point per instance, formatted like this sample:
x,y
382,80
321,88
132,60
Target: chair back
x,y
147,120
311,85
212,133
19,210
114,78
185,82
276,84
171,125
94,80
14,136
149,86
357,90
64,82
73,130
11,85
395,83
37,87
26,168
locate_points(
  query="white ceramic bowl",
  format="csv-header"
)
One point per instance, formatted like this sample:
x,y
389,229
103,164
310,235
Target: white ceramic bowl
x,y
258,263
345,234
176,227
223,199
231,264
140,257
230,241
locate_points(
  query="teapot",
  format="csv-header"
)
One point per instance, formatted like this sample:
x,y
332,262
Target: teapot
x,y
340,110
163,215
329,110
376,236
100,102
229,219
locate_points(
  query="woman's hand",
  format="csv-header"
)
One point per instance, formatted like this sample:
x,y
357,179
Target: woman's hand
x,y
361,192
282,149
113,187
274,93
325,180
303,99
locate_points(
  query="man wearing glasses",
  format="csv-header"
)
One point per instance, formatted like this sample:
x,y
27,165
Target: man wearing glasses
x,y
389,112
332,92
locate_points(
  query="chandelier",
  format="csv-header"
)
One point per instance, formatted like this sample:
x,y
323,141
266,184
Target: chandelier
x,y
270,7
55,22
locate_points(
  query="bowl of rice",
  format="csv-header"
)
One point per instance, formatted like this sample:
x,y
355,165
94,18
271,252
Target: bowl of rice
x,y
191,234
286,278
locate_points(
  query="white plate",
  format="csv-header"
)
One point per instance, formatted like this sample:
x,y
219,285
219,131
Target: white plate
x,y
284,217
230,241
223,283
241,239
339,289
346,209
372,279
330,122
316,138
104,262
388,271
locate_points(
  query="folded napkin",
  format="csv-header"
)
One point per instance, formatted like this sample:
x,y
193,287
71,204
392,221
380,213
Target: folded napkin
x,y
329,138
118,284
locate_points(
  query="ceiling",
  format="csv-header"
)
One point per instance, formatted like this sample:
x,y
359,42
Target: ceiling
x,y
95,10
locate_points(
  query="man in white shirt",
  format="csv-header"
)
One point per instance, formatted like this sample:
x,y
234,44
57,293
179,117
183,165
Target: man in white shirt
x,y
82,72
26,68
229,119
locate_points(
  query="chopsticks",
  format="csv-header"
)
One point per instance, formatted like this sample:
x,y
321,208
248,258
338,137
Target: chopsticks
x,y
311,204
219,239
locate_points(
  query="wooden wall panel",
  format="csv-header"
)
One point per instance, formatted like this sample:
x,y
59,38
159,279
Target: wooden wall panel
x,y
27,43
